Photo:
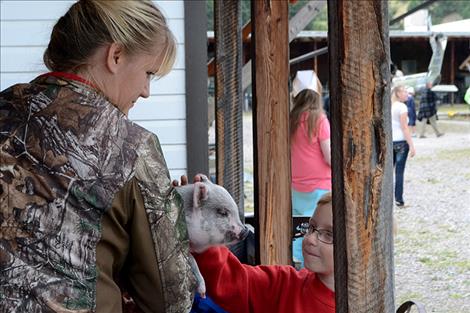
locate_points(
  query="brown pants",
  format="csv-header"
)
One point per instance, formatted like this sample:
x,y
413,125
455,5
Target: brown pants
x,y
432,121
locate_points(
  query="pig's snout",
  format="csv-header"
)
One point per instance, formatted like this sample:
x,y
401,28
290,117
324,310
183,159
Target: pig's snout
x,y
236,235
244,233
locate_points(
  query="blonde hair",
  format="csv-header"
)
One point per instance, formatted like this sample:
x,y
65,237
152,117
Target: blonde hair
x,y
89,24
306,101
395,92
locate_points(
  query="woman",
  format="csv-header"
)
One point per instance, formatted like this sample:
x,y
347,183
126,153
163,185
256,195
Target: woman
x,y
402,142
310,157
85,193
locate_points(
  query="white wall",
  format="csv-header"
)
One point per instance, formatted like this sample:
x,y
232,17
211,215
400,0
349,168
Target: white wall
x,y
25,28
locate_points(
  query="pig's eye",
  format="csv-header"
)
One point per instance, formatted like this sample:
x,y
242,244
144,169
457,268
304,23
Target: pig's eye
x,y
222,212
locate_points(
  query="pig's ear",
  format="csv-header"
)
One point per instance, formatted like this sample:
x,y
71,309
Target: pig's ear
x,y
200,194
204,178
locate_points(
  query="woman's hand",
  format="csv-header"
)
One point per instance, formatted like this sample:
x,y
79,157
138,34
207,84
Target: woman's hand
x,y
184,180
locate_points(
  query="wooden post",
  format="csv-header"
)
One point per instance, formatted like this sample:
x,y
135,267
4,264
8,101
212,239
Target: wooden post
x,y
359,61
271,131
228,100
452,68
315,60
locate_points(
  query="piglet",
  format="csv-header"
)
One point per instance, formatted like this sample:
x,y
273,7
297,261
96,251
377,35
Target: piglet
x,y
212,219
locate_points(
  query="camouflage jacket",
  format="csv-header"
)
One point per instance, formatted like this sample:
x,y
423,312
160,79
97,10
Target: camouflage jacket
x,y
65,152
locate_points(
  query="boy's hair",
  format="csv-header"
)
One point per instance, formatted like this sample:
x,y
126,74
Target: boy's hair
x,y
325,199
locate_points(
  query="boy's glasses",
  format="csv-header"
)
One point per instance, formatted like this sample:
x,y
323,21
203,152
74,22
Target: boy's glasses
x,y
323,235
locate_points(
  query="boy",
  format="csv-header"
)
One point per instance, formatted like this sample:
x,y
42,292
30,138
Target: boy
x,y
240,288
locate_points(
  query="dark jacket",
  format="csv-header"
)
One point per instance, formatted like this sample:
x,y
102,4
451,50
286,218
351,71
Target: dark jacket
x,y
427,105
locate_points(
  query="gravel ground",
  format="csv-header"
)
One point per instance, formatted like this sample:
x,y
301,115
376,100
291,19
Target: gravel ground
x,y
432,246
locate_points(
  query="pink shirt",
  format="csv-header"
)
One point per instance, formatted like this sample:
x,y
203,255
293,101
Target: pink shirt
x,y
309,169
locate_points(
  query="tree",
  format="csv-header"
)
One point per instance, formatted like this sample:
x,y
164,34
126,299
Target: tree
x,y
246,13
440,11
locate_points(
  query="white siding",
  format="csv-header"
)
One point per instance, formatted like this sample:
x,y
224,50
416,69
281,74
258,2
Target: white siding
x,y
25,28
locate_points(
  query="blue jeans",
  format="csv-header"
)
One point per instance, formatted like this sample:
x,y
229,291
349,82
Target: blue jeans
x,y
400,154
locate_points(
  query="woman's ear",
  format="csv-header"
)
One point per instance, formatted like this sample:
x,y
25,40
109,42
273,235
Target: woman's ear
x,y
114,57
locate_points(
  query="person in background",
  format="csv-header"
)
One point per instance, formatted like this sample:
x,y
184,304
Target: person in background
x,y
466,98
402,141
410,104
86,198
428,111
310,150
241,288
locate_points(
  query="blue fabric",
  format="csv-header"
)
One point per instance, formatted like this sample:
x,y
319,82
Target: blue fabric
x,y
303,204
400,154
410,103
205,305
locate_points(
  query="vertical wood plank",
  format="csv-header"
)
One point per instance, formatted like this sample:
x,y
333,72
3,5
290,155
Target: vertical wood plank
x,y
359,61
271,131
452,68
228,98
315,60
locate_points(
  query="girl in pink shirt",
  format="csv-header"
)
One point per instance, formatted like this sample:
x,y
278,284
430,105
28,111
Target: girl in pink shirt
x,y
310,157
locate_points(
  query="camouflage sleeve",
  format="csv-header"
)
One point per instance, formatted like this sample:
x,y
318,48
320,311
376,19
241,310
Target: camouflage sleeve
x,y
167,227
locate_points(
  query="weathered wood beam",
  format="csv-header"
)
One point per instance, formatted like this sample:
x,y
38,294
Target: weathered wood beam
x,y
359,61
465,65
228,99
297,23
304,16
271,131
452,68
309,55
246,31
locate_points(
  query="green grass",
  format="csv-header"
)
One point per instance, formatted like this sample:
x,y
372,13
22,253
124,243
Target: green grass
x,y
445,259
408,239
460,155
425,260
453,108
432,181
454,154
409,296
